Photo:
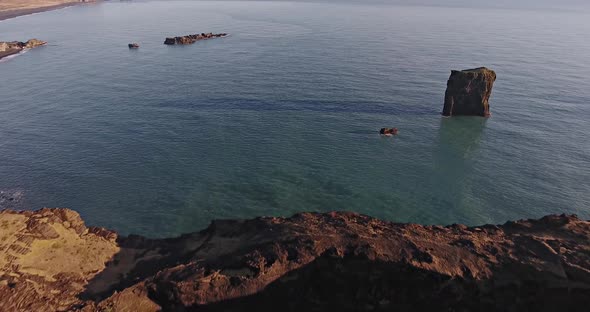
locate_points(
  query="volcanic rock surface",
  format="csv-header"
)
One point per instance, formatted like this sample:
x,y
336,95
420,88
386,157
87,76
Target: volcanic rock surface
x,y
189,39
340,261
468,92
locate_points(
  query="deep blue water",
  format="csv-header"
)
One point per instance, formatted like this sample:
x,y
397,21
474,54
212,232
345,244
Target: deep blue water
x,y
282,116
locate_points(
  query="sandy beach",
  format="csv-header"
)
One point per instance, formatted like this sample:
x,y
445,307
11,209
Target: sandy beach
x,y
14,8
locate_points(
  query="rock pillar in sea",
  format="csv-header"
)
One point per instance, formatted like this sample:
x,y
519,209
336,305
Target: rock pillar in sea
x,y
468,92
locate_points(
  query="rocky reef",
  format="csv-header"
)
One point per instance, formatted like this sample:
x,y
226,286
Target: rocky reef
x,y
340,261
189,39
14,47
468,92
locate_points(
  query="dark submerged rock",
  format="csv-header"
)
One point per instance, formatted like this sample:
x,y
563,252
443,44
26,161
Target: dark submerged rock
x,y
468,92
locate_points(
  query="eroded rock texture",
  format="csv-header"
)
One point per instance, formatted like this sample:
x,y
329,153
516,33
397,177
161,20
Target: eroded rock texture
x,y
310,262
468,92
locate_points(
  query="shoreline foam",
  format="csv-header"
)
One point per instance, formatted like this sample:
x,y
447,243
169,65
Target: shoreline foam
x,y
4,58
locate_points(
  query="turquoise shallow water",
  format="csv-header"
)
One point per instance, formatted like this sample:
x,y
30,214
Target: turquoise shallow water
x,y
282,116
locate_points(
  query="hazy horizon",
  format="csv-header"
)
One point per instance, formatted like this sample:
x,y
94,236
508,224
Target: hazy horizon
x,y
450,3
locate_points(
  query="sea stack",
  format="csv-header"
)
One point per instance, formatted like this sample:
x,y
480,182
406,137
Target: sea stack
x,y
468,92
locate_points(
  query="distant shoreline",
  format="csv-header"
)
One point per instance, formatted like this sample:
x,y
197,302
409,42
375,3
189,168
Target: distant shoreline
x,y
4,15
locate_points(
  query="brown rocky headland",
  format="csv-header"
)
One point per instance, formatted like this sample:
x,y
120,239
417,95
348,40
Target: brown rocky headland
x,y
14,47
51,261
190,39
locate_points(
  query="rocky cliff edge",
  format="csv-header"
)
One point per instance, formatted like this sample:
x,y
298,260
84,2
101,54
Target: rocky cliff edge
x,y
340,261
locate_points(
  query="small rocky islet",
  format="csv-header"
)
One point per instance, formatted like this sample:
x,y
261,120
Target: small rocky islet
x,y
181,40
388,131
14,47
190,39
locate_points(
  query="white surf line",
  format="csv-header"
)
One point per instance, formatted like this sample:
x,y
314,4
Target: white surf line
x,y
10,57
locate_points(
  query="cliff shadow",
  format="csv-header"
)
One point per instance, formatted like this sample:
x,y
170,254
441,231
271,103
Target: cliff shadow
x,y
355,283
137,259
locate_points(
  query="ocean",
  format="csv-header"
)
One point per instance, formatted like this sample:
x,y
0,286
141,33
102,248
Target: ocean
x,y
283,115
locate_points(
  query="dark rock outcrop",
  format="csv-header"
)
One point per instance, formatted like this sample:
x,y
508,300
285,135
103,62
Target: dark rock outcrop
x,y
189,39
336,261
388,131
468,92
14,47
